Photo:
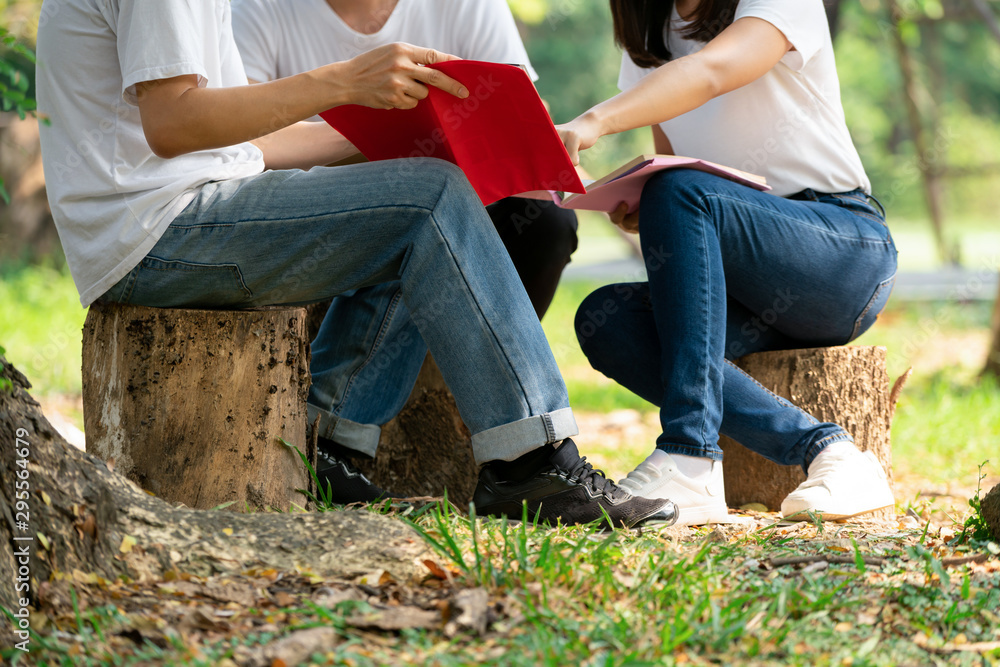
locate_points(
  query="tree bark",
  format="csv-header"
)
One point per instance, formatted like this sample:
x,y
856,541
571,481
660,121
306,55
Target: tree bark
x,y
189,404
426,449
844,385
96,521
992,366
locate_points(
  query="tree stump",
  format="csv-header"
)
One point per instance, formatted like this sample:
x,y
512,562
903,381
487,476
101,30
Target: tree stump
x,y
190,404
990,506
427,448
844,385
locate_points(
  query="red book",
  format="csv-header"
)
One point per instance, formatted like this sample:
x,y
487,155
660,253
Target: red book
x,y
501,135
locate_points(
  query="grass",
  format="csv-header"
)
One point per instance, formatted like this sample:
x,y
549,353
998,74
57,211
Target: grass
x,y
576,595
580,596
41,326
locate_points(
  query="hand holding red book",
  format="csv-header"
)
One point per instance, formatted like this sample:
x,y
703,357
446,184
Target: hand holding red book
x,y
501,136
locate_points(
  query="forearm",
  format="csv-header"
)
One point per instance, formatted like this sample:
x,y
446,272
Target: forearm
x,y
192,118
178,117
670,91
741,54
304,145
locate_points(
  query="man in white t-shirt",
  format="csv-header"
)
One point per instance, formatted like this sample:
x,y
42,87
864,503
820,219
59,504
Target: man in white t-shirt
x,y
279,38
154,161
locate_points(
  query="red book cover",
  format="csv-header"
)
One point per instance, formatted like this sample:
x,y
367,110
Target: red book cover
x,y
501,136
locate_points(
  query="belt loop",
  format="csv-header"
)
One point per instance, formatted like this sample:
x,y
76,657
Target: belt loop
x,y
872,198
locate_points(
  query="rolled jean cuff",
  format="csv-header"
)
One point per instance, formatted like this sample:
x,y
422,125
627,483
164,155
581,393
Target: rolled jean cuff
x,y
815,448
362,438
509,441
714,454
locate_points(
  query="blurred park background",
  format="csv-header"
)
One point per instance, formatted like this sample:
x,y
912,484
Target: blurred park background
x,y
921,89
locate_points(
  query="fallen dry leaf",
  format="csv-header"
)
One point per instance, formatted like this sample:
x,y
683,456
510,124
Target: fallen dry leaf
x,y
396,618
473,612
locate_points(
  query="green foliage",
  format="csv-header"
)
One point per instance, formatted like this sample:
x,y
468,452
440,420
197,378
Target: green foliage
x,y
975,528
41,326
5,383
15,82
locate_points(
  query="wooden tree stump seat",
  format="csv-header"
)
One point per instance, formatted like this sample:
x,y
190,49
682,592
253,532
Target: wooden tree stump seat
x,y
848,386
190,404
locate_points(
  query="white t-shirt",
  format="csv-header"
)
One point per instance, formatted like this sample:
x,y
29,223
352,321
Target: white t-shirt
x,y
111,197
279,38
788,125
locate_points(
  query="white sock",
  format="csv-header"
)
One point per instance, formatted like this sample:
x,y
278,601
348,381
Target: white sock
x,y
694,467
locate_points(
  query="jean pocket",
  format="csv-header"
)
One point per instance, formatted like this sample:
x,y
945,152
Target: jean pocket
x,y
874,306
172,283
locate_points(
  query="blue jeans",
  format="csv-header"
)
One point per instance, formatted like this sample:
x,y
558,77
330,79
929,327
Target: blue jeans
x,y
732,271
368,354
412,226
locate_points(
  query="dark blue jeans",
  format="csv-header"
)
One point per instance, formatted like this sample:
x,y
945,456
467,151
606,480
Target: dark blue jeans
x,y
732,271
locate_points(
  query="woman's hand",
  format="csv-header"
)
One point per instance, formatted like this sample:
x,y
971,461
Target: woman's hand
x,y
580,134
394,77
629,222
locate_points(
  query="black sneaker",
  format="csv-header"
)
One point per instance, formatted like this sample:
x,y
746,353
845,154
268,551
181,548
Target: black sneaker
x,y
346,483
567,489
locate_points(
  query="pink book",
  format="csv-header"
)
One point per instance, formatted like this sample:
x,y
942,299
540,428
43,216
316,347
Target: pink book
x,y
625,184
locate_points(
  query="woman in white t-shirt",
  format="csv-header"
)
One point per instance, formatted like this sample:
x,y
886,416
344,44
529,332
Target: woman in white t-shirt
x,y
751,84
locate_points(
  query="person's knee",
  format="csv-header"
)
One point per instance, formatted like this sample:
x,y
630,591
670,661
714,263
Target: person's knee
x,y
558,231
595,323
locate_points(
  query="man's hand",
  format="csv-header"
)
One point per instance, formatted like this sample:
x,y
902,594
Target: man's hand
x,y
627,221
580,134
394,76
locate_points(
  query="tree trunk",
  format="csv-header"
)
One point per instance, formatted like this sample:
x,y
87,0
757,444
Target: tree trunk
x,y
82,516
26,227
833,16
189,404
927,162
992,366
844,385
427,448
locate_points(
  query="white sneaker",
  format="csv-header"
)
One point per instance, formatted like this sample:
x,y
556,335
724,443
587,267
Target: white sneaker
x,y
700,500
842,483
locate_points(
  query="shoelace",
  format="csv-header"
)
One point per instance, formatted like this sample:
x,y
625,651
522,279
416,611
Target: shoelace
x,y
585,473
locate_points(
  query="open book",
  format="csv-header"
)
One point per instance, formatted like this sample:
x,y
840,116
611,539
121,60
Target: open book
x,y
501,135
625,183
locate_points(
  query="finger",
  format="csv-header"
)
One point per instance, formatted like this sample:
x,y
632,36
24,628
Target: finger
x,y
430,56
618,215
416,90
631,223
433,77
572,143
